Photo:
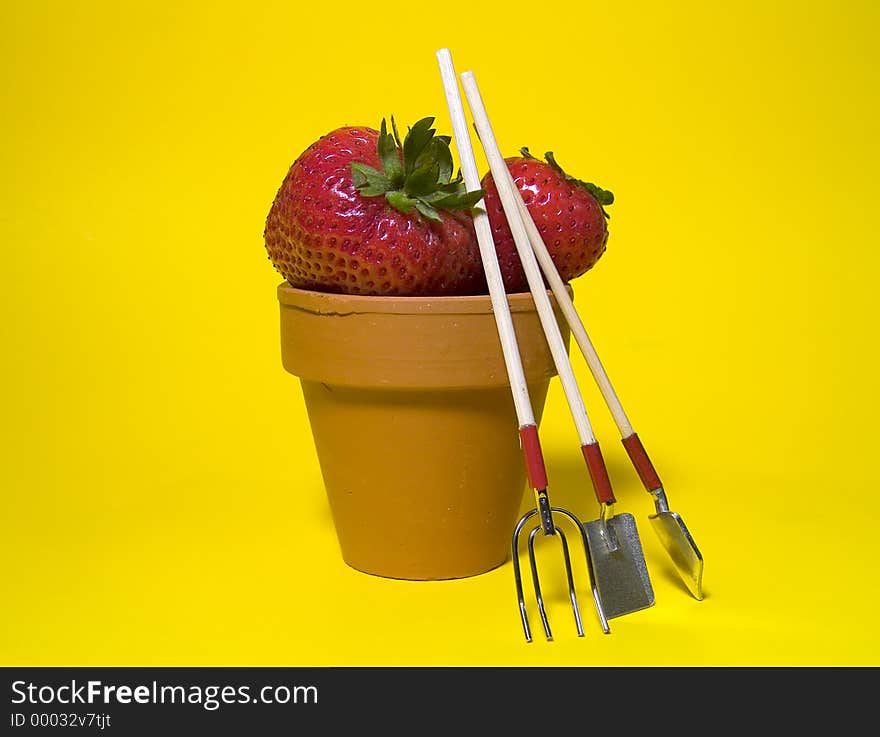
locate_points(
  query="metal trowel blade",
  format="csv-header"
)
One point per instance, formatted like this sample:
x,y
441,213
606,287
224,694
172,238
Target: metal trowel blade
x,y
686,557
621,575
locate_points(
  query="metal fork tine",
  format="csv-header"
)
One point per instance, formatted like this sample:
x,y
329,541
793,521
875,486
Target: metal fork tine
x,y
534,566
517,575
600,609
571,592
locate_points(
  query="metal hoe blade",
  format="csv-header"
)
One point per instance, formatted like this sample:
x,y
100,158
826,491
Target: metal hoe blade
x,y
675,537
619,564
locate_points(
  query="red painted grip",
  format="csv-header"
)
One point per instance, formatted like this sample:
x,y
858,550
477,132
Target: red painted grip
x,y
643,465
531,446
599,473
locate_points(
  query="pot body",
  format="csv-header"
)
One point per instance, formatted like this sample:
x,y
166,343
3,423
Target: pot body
x,y
414,424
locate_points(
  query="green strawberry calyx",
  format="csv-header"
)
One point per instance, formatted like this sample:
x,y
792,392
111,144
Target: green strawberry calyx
x,y
415,174
602,196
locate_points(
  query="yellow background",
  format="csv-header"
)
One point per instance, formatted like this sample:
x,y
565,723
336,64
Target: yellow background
x,y
162,503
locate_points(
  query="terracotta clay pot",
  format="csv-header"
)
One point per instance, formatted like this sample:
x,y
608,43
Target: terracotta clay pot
x,y
414,424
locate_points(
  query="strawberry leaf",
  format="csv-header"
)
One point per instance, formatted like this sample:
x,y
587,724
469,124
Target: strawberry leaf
x,y
389,156
400,201
415,174
369,181
396,133
423,180
460,200
438,150
451,187
602,196
428,211
414,143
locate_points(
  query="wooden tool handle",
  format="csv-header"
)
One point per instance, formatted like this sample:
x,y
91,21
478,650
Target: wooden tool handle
x,y
528,431
572,317
532,270
486,243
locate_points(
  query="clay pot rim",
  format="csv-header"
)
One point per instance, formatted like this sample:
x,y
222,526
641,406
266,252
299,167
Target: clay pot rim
x,y
340,304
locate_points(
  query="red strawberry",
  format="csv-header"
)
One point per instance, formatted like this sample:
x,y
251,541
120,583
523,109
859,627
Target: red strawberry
x,y
569,214
359,212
